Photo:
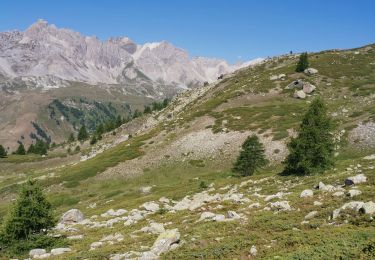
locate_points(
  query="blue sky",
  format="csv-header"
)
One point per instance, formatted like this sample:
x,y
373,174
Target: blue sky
x,y
236,29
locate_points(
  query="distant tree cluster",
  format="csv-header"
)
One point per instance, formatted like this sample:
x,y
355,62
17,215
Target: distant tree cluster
x,y
156,106
3,152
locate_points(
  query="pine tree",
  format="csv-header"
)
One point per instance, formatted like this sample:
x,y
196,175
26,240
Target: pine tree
x,y
31,149
147,110
40,147
312,150
93,140
21,149
31,214
118,121
82,134
251,157
71,138
100,129
303,62
3,152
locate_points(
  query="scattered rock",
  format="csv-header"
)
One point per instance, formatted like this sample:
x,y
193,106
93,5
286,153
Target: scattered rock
x,y
233,215
353,205
360,178
72,216
146,189
165,240
75,237
59,251
95,245
278,195
368,208
219,218
253,250
338,194
326,188
369,157
310,71
37,252
353,193
207,215
299,94
317,203
281,205
151,206
306,193
114,213
308,88
154,228
311,215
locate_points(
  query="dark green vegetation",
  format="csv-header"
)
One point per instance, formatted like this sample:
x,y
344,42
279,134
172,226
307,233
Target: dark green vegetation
x,y
312,150
21,149
3,152
26,225
251,157
303,62
82,134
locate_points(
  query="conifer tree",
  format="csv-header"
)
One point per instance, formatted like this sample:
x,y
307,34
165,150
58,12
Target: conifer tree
x,y
82,134
40,147
312,150
251,157
71,138
31,148
30,215
303,62
93,140
21,149
3,152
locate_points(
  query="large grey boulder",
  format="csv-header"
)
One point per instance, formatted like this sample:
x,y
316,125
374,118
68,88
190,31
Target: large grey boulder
x,y
308,88
306,193
368,208
299,94
281,206
164,241
37,252
353,205
59,251
151,206
72,216
310,71
360,178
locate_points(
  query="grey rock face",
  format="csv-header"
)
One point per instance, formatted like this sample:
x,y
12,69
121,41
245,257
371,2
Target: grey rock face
x,y
72,216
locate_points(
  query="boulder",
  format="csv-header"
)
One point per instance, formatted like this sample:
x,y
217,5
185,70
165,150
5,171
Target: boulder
x,y
253,250
207,215
310,71
317,203
281,205
233,215
72,216
37,252
154,228
311,215
353,205
164,241
146,189
308,88
59,251
353,193
299,94
306,193
219,218
368,208
96,245
360,178
151,206
297,84
46,255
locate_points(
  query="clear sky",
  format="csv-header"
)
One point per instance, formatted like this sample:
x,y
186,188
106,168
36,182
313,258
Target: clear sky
x,y
232,29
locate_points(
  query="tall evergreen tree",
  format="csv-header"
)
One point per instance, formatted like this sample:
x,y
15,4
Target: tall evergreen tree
x,y
31,214
40,147
71,138
82,134
251,157
3,152
31,148
312,150
303,62
100,129
21,149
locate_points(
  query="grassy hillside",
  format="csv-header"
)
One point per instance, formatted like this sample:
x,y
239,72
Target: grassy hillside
x,y
189,148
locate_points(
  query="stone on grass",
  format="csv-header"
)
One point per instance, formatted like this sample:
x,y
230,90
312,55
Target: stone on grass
x,y
306,193
151,206
353,193
72,216
311,214
146,189
338,194
59,251
299,94
317,203
207,215
310,71
164,241
37,252
360,178
219,218
281,205
96,245
368,208
353,205
253,250
233,215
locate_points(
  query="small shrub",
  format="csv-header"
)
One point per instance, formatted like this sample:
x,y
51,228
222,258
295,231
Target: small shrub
x,y
203,185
